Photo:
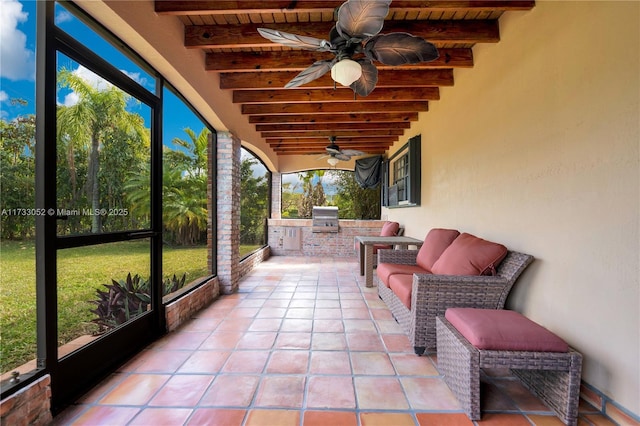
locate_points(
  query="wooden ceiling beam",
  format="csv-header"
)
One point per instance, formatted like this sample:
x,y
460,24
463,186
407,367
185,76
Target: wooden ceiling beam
x,y
297,60
334,118
246,35
377,152
327,133
340,94
300,120
318,152
382,141
321,148
343,141
386,78
321,145
329,126
221,7
333,107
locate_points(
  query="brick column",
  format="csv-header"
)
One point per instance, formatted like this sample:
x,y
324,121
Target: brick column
x,y
228,211
276,195
211,206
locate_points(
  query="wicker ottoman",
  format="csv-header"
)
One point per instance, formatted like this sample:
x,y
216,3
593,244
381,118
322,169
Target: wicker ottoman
x,y
544,363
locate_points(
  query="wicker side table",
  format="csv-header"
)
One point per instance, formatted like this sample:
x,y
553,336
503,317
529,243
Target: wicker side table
x,y
554,377
366,251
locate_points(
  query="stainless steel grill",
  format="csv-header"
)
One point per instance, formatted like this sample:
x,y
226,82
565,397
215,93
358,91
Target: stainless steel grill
x,y
325,219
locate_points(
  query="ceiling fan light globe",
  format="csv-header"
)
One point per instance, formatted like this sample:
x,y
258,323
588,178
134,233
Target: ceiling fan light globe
x,y
332,161
346,72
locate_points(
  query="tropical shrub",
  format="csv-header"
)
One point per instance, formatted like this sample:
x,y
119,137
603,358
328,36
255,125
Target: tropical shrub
x,y
121,301
125,299
17,182
173,284
254,209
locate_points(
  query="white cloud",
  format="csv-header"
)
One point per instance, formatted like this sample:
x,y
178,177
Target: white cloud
x,y
62,17
94,80
91,78
71,99
135,76
18,62
100,83
4,97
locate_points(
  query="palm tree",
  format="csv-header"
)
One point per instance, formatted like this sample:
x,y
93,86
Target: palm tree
x,y
98,114
184,190
196,151
253,203
313,194
184,210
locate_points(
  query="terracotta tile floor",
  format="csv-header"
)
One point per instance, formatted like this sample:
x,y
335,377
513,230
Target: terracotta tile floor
x,y
303,342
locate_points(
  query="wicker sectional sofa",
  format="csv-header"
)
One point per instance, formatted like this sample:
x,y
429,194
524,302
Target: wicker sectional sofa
x,y
449,270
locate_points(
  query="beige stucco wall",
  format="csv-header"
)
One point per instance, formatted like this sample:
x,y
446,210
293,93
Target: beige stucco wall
x,y
537,147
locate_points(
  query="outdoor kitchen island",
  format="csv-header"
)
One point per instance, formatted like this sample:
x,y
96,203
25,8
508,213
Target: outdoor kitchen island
x,y
296,237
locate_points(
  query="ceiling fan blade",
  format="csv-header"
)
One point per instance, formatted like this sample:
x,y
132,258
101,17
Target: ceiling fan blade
x,y
367,81
342,157
361,19
352,152
294,40
333,149
317,70
336,39
399,49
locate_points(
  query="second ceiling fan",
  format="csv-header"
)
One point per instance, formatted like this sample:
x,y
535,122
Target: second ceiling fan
x,y
356,43
335,154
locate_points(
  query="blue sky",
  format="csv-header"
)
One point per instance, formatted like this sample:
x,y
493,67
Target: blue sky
x,y
17,69
17,57
17,66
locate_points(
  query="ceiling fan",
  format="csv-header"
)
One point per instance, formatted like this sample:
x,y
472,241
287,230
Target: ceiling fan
x,y
336,154
355,42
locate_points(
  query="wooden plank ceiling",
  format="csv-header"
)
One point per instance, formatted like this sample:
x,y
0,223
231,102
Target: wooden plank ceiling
x,y
301,120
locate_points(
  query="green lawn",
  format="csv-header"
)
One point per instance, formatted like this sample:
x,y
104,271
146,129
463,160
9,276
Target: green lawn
x,y
244,250
81,272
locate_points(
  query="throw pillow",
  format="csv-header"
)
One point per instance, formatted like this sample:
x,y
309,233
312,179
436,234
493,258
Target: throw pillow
x,y
436,241
470,255
389,229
